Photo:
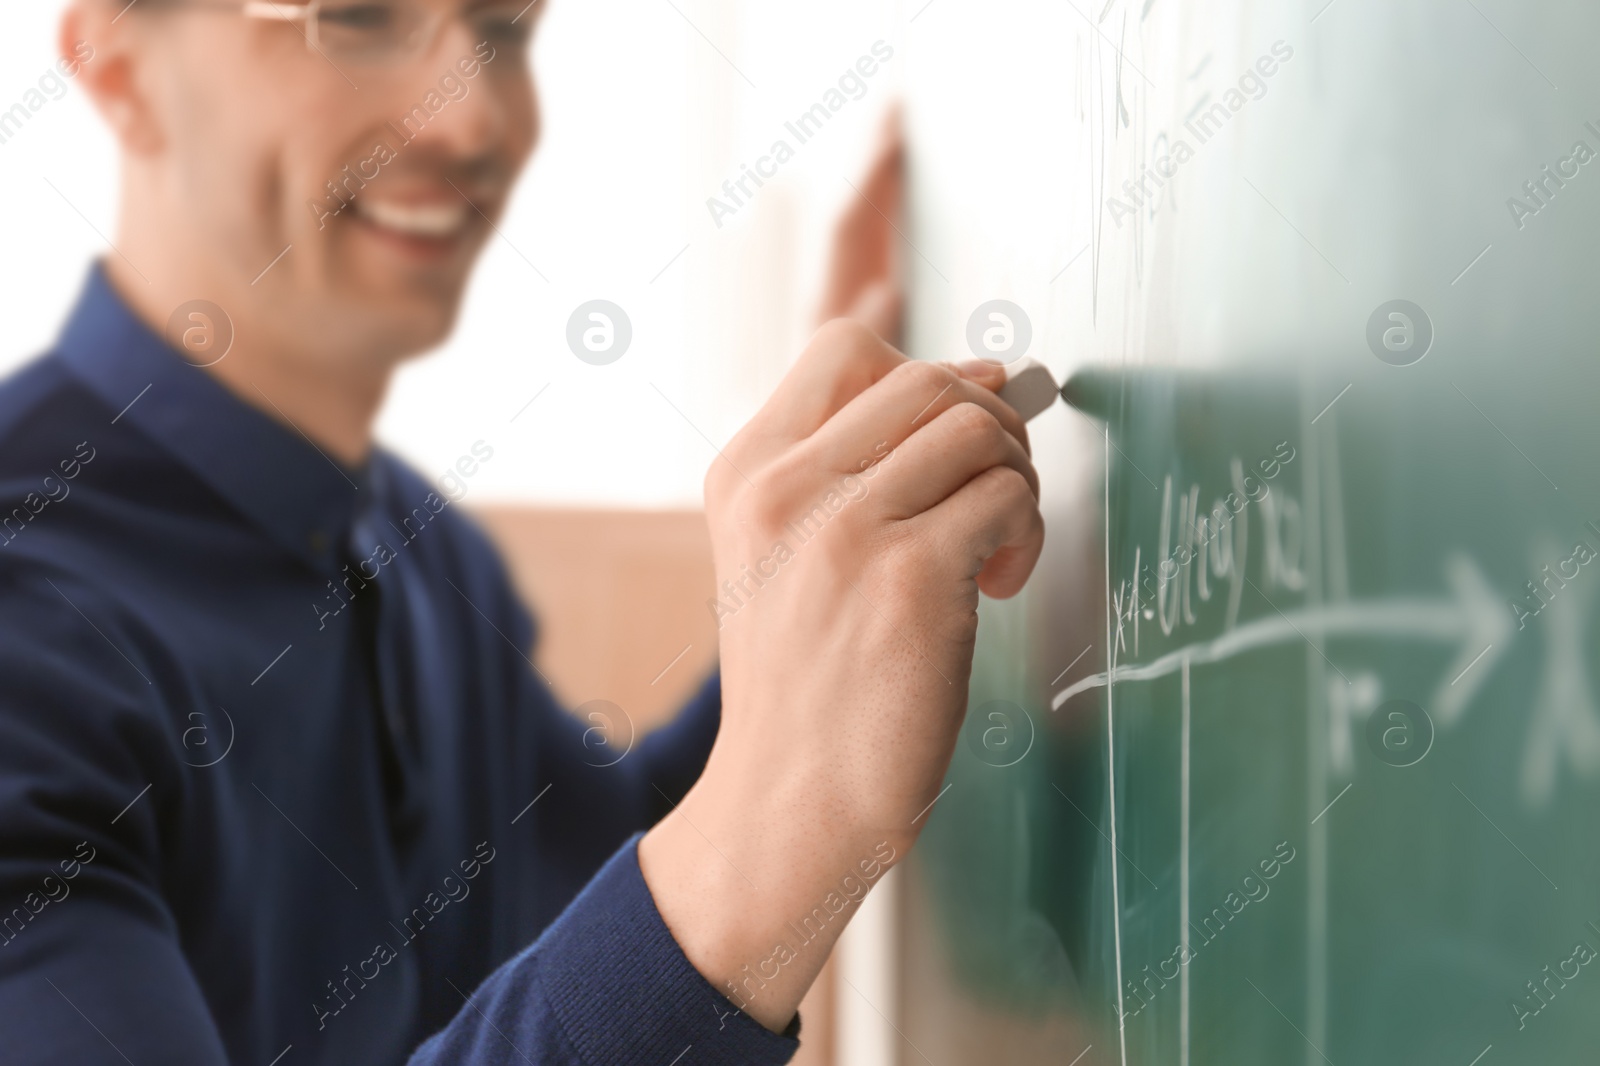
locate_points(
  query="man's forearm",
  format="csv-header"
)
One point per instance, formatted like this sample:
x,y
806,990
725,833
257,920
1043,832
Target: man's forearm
x,y
757,894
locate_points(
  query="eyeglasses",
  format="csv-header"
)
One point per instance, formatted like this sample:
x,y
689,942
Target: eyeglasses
x,y
387,32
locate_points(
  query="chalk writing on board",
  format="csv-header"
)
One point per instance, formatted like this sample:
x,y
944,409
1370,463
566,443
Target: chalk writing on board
x,y
1564,720
1213,545
1470,618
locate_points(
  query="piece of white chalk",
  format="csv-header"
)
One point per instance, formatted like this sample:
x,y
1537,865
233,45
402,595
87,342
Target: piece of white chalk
x,y
1029,388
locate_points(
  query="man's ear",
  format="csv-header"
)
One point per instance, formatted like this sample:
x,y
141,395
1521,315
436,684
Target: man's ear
x,y
101,48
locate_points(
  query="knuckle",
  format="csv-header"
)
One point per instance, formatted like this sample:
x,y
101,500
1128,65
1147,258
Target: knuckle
x,y
1010,493
1001,482
755,512
711,488
766,504
723,478
720,484
1020,431
712,482
919,376
973,423
751,517
1010,487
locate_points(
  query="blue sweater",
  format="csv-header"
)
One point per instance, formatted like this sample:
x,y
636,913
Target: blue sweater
x,y
219,843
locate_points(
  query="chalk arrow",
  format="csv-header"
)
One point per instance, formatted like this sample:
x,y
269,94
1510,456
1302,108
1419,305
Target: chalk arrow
x,y
1487,621
1565,722
1473,619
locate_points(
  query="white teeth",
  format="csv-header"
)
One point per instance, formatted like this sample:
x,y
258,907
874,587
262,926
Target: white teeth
x,y
431,220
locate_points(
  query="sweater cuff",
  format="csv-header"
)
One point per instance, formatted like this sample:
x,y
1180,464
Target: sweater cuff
x,y
626,994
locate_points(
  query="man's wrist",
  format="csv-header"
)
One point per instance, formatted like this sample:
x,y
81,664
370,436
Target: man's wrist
x,y
757,879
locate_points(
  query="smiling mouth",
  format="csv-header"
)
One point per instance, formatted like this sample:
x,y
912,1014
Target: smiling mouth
x,y
433,221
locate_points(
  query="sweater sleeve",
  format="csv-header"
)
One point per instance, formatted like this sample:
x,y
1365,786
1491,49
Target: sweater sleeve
x,y
91,966
606,985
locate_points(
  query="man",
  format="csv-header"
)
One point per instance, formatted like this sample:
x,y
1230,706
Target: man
x,y
277,783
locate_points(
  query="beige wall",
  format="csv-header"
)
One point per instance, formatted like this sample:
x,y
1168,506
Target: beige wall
x,y
618,595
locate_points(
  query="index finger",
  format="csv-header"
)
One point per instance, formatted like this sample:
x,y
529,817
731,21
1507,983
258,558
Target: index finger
x,y
843,360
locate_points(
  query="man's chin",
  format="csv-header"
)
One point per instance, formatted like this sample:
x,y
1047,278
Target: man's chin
x,y
388,300
385,327
409,330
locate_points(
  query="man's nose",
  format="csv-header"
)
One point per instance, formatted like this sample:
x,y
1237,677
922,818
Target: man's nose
x,y
471,119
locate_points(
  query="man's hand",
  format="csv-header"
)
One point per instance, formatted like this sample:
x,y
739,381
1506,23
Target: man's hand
x,y
854,522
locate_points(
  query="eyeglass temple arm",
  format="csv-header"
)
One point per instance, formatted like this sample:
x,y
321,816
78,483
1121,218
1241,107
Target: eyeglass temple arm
x,y
276,12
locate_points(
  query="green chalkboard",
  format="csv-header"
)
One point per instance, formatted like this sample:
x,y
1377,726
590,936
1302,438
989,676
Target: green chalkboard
x,y
1291,750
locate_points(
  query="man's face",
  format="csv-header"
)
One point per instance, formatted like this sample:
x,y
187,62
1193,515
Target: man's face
x,y
374,179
